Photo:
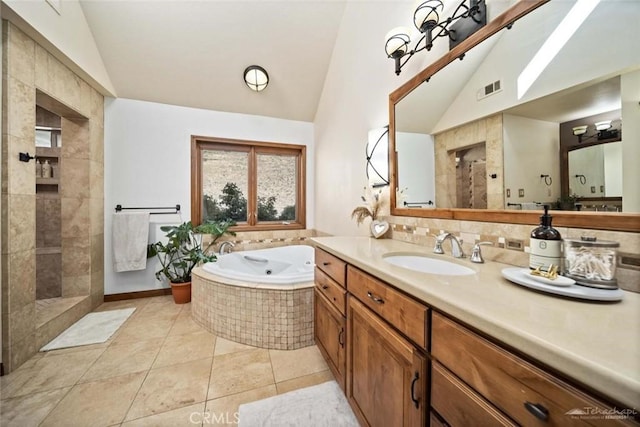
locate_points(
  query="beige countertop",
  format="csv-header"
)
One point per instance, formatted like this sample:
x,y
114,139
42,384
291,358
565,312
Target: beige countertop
x,y
597,344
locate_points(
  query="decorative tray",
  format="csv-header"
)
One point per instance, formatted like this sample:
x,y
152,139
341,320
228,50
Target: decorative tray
x,y
522,277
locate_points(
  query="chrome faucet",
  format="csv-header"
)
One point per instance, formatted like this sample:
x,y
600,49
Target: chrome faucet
x,y
456,245
476,253
223,246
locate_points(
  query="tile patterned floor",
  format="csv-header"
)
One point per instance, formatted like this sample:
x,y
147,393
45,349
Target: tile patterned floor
x,y
159,369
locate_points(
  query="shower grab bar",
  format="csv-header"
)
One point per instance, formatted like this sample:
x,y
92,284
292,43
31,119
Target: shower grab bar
x,y
255,259
119,208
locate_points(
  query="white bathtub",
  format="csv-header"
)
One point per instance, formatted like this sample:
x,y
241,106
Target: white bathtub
x,y
283,265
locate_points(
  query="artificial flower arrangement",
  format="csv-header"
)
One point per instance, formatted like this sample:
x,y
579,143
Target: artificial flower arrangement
x,y
373,202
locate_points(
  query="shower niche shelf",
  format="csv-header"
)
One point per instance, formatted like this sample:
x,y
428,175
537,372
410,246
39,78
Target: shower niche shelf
x,y
48,184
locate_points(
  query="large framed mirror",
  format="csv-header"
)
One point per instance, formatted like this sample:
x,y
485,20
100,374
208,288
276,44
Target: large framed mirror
x,y
500,140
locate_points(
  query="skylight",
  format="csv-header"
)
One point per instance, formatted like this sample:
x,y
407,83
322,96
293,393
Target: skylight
x,y
556,41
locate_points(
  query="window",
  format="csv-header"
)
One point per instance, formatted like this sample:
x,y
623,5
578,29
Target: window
x,y
260,185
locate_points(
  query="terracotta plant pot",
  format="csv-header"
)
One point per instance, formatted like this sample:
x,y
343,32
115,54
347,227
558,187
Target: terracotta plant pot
x,y
181,292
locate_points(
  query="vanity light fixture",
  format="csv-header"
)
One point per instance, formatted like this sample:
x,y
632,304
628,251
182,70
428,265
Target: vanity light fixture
x,y
604,130
256,78
579,131
377,157
465,20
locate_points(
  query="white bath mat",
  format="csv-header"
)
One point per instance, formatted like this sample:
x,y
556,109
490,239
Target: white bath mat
x,y
94,328
323,405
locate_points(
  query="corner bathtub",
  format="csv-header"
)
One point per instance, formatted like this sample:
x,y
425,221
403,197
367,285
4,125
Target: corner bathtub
x,y
262,298
285,265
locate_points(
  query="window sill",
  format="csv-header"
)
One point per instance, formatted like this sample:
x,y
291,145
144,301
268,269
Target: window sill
x,y
267,227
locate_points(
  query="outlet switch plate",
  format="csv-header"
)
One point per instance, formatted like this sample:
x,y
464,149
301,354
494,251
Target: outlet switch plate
x,y
514,244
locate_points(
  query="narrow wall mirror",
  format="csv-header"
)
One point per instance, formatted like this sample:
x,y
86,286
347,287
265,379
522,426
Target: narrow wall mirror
x,y
486,100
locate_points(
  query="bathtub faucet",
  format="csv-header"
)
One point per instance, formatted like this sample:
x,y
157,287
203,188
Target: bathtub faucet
x,y
224,245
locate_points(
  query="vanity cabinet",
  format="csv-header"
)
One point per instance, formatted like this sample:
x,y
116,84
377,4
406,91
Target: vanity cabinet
x,y
402,363
387,366
330,329
492,377
458,405
386,374
329,312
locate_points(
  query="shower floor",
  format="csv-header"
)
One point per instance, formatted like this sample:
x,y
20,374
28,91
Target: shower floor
x,y
49,309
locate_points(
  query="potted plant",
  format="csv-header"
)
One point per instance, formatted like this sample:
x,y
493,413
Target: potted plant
x,y
567,202
183,251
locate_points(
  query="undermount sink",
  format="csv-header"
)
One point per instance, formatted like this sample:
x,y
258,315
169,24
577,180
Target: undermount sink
x,y
424,264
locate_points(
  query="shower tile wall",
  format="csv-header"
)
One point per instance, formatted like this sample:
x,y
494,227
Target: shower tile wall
x,y
28,68
48,255
487,130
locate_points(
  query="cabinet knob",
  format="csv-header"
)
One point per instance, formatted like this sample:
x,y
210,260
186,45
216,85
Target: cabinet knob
x,y
325,287
326,263
537,410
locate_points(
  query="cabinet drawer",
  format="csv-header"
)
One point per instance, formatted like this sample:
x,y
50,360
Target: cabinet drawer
x,y
404,313
516,387
333,266
458,404
330,289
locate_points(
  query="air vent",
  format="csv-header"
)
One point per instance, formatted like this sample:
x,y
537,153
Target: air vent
x,y
490,89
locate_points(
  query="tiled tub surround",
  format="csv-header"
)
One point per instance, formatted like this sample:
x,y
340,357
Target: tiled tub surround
x,y
593,344
267,316
421,231
250,240
30,75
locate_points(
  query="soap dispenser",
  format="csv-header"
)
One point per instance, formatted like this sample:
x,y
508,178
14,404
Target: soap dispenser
x,y
545,244
46,169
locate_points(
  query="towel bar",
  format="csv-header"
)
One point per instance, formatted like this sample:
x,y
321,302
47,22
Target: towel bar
x,y
119,208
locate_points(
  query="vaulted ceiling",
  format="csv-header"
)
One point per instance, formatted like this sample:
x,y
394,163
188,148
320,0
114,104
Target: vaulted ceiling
x,y
193,53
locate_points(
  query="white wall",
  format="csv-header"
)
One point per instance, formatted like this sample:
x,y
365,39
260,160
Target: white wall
x,y
589,162
147,163
630,90
354,100
531,148
417,172
66,35
612,172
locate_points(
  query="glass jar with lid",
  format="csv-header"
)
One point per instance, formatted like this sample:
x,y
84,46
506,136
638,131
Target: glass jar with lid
x,y
591,262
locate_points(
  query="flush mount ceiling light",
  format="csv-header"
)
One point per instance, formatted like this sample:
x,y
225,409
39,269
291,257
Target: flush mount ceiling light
x,y
256,78
466,20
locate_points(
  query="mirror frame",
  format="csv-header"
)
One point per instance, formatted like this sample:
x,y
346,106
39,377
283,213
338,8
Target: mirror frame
x,y
594,220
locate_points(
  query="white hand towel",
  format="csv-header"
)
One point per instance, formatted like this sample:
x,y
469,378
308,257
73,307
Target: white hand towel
x,y
130,236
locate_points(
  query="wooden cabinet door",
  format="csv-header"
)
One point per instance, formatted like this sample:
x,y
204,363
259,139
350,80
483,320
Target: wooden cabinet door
x,y
330,333
386,374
